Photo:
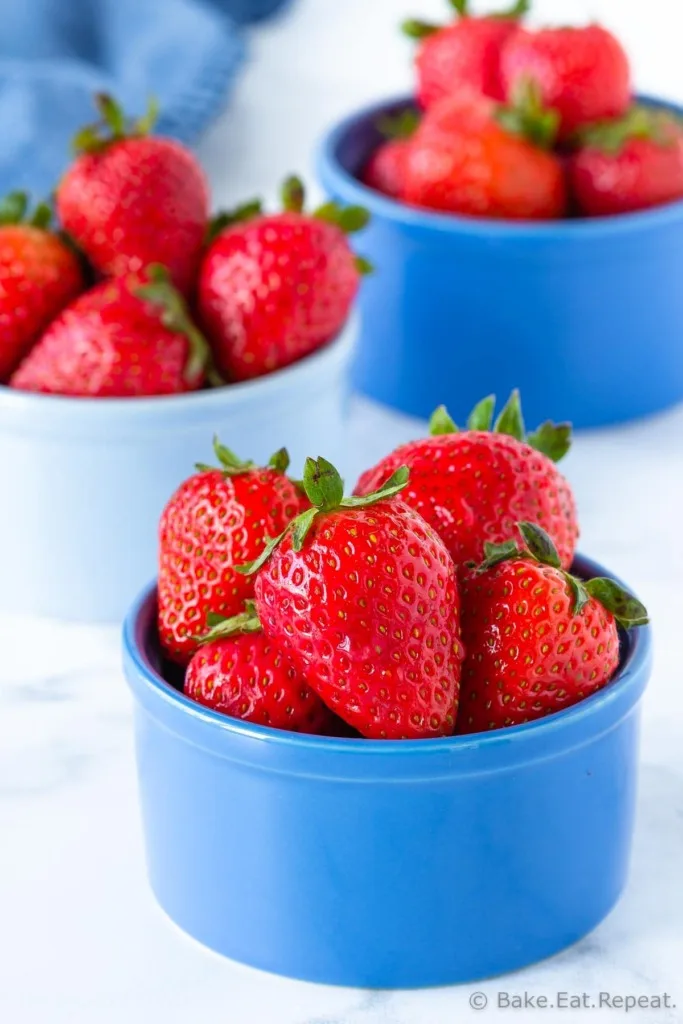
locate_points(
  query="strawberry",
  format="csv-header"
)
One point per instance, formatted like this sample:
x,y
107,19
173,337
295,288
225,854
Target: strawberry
x,y
238,671
465,54
473,486
123,338
130,199
363,596
385,170
583,73
630,164
471,157
216,520
272,289
39,275
537,639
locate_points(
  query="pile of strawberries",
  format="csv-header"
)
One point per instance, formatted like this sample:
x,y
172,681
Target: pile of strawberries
x,y
436,599
526,125
140,292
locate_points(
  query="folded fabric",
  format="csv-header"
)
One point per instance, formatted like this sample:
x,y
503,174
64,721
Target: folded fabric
x,y
54,54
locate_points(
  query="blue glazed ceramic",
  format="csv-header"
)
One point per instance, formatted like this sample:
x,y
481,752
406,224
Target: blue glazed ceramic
x,y
385,864
86,479
586,317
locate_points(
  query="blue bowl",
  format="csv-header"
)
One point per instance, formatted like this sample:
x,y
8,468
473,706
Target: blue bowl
x,y
585,316
385,864
86,479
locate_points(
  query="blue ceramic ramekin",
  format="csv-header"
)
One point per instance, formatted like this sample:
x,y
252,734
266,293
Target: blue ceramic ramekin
x,y
585,316
84,481
385,864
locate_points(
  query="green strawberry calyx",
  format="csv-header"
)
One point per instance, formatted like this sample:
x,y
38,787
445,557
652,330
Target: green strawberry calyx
x,y
551,439
658,126
14,209
113,125
240,214
415,28
174,315
348,219
398,127
324,488
538,546
529,117
231,465
221,627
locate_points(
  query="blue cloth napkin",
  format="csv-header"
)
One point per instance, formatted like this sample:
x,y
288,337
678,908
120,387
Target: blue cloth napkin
x,y
54,54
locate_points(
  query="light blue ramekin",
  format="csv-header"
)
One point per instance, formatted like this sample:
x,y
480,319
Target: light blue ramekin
x,y
385,864
585,316
84,481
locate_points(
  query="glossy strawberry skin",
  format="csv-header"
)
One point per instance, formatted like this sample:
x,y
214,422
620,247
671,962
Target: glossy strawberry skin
x,y
246,676
474,486
528,654
583,73
385,170
273,290
463,55
39,276
462,161
643,174
369,611
137,201
108,344
212,523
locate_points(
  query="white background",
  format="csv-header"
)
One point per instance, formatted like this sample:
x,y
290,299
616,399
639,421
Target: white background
x,y
81,940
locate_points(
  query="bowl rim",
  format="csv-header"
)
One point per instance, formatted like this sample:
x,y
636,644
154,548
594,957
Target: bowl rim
x,y
628,683
337,180
204,402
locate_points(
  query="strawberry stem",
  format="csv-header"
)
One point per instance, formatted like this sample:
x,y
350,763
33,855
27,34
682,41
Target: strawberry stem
x,y
13,208
238,215
538,546
293,194
175,317
113,125
481,416
551,439
640,122
528,117
220,627
324,488
510,420
517,10
416,29
440,422
399,126
232,465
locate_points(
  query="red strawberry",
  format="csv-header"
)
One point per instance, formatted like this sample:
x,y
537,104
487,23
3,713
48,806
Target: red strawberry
x,y
130,199
470,157
216,520
472,487
630,164
385,170
363,596
583,73
537,639
272,289
39,275
123,338
240,672
465,54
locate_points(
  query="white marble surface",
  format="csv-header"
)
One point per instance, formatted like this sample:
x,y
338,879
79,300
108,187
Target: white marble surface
x,y
81,940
